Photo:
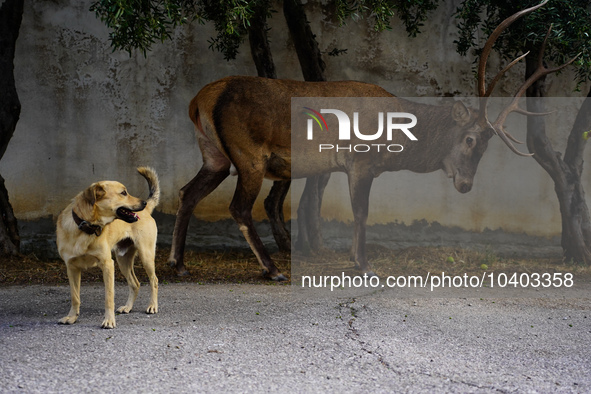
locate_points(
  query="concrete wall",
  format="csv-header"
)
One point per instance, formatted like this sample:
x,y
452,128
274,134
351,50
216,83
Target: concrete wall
x,y
89,113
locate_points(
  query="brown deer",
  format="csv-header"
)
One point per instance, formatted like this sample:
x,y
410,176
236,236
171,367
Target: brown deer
x,y
244,123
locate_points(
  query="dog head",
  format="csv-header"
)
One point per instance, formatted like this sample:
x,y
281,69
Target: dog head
x,y
106,201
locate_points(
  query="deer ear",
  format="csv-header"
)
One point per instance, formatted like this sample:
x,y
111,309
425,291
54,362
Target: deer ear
x,y
460,114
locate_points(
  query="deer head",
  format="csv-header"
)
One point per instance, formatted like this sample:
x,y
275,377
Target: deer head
x,y
467,149
463,160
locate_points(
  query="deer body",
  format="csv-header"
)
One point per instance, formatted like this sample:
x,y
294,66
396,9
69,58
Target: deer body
x,y
245,122
249,118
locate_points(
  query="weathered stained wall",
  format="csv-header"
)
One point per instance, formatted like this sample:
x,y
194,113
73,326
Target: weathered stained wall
x,y
89,113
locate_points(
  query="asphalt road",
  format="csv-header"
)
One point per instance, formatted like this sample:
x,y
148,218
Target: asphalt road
x,y
260,338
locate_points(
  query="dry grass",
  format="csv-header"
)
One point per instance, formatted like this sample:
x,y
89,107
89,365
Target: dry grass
x,y
433,260
204,267
241,266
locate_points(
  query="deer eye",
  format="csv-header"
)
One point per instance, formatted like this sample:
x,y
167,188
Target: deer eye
x,y
469,141
124,193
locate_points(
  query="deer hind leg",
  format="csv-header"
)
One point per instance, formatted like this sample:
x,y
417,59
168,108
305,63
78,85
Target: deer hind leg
x,y
247,190
274,208
359,188
209,177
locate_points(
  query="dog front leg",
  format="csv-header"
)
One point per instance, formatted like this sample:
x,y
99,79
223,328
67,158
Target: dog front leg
x,y
74,275
108,268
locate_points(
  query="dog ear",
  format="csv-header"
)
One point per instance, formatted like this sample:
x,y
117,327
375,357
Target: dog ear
x,y
94,193
88,195
99,192
84,202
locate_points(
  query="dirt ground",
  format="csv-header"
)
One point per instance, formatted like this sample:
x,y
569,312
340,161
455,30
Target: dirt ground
x,y
240,266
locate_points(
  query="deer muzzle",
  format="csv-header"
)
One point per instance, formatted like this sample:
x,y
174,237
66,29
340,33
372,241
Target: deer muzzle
x,y
462,184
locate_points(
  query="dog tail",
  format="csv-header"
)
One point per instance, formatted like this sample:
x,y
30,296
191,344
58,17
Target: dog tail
x,y
153,184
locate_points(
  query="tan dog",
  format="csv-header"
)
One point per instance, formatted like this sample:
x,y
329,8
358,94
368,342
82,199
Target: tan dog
x,y
105,218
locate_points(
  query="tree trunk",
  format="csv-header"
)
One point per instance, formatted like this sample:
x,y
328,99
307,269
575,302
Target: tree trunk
x,y
11,12
565,172
260,52
260,49
312,65
304,41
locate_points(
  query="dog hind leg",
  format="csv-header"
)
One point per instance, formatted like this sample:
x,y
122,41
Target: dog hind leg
x,y
125,263
147,254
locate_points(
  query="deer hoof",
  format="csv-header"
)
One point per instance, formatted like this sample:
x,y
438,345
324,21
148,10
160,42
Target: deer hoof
x,y
180,271
371,274
279,278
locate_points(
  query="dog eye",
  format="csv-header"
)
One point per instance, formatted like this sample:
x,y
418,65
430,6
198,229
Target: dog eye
x,y
124,192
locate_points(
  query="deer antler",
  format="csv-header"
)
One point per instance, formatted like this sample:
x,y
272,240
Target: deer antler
x,y
489,45
485,92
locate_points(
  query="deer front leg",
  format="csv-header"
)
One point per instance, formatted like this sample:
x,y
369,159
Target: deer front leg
x,y
203,184
315,235
303,241
246,193
274,208
306,212
359,188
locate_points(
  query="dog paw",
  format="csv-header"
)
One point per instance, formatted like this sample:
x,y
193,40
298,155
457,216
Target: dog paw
x,y
152,309
68,320
124,309
109,323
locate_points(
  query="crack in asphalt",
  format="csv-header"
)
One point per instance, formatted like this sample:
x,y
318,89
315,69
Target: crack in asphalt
x,y
354,335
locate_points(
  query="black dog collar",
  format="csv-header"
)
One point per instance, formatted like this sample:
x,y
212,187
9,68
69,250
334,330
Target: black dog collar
x,y
86,227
